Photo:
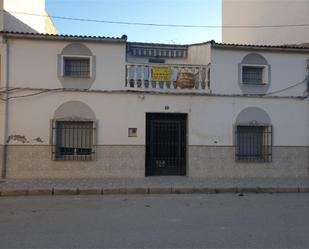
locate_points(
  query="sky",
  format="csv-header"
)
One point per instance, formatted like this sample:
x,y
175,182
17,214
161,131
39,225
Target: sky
x,y
192,12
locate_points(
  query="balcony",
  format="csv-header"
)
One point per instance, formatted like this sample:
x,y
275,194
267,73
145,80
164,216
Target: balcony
x,y
168,77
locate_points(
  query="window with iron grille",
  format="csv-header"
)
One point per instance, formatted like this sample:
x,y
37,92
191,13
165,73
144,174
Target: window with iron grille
x,y
254,143
76,67
74,140
252,75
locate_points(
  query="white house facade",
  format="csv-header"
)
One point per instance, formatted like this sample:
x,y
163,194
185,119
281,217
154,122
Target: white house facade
x,y
103,107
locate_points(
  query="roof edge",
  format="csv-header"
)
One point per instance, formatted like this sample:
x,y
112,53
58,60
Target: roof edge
x,y
275,48
40,36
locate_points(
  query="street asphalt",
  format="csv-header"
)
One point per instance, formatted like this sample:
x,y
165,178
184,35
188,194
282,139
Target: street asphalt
x,y
156,221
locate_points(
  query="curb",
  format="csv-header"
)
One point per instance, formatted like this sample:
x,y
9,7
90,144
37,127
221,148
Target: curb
x,y
151,190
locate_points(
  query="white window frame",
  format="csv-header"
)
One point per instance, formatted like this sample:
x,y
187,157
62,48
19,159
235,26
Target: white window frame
x,y
265,74
76,57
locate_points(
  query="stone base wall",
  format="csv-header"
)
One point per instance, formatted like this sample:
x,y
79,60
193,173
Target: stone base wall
x,y
129,162
1,158
111,162
210,161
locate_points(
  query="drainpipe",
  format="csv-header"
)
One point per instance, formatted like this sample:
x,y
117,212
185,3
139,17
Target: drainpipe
x,y
6,109
308,79
308,97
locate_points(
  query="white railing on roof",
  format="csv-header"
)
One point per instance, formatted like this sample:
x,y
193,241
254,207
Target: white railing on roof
x,y
168,77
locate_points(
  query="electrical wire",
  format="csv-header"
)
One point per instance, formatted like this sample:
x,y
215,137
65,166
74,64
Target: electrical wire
x,y
162,24
42,91
287,88
31,94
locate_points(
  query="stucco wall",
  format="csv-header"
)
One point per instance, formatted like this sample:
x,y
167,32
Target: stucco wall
x,y
286,69
1,15
210,119
42,71
265,13
2,84
199,54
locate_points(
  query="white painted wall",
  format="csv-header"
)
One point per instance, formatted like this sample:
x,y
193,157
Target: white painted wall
x,y
265,12
34,64
287,69
210,119
1,15
199,54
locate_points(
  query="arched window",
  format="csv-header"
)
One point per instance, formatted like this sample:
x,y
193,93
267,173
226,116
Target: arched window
x,y
76,66
74,132
253,140
254,74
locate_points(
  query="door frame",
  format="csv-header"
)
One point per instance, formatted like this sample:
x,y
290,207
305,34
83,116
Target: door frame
x,y
180,116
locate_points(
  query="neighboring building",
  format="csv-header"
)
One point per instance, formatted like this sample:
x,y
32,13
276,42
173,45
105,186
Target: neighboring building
x,y
81,109
265,13
25,16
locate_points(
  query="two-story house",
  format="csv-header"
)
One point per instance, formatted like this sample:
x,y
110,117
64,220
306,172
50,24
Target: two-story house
x,y
103,107
82,106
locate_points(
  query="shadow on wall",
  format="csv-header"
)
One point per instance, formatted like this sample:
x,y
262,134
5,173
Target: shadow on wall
x,y
14,24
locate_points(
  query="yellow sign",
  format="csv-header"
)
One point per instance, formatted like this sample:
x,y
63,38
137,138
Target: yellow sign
x,y
161,73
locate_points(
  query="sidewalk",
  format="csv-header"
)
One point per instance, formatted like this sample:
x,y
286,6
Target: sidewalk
x,y
152,185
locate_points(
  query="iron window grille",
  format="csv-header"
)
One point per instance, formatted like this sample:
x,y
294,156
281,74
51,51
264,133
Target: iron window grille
x,y
252,75
254,143
74,140
76,67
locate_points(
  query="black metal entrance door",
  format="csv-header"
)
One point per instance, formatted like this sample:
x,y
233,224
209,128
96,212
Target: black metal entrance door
x,y
166,140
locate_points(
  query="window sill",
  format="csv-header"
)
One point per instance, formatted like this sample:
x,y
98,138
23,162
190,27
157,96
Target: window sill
x,y
254,160
75,158
254,84
76,77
